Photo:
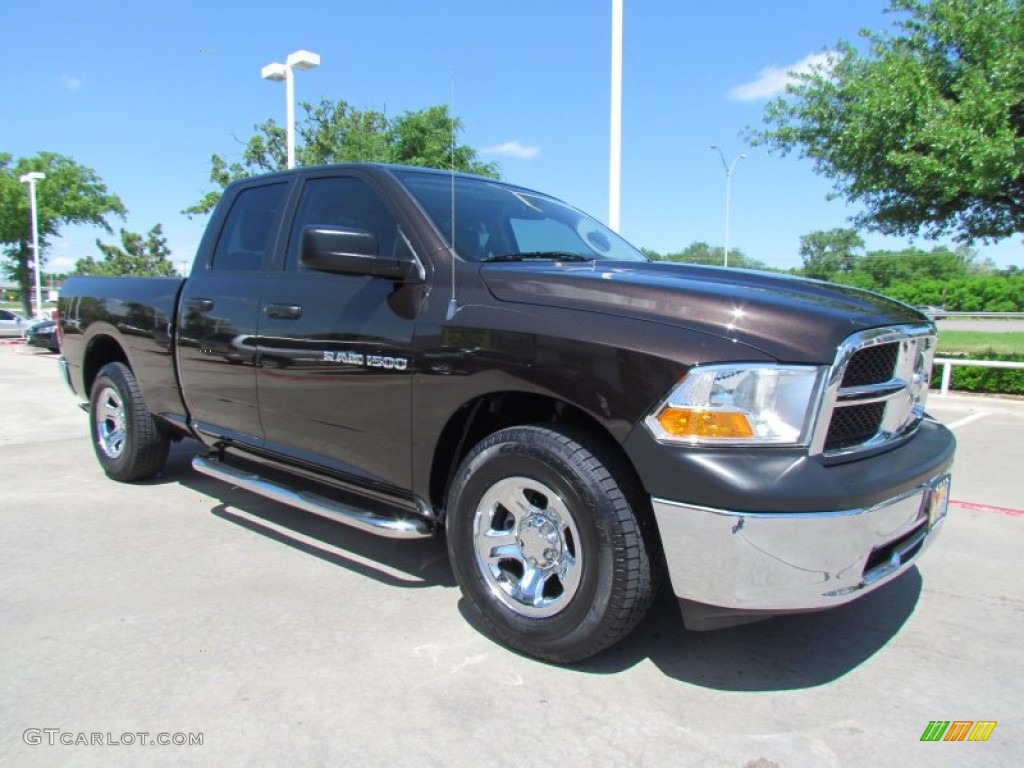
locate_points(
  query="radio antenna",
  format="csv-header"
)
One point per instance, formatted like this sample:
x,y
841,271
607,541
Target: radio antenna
x,y
453,302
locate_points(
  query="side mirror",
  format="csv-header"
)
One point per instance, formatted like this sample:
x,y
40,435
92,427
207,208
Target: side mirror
x,y
351,252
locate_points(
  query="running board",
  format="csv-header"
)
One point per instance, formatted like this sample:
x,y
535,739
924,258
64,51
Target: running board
x,y
365,520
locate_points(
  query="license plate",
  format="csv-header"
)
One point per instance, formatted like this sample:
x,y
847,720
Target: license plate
x,y
938,501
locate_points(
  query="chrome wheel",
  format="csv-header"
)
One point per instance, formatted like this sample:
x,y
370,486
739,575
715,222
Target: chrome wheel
x,y
129,442
527,547
110,422
545,543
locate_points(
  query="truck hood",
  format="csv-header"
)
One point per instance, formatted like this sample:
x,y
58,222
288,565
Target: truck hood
x,y
791,319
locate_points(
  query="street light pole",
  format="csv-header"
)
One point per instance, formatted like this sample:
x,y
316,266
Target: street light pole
x,y
31,178
615,164
278,72
729,168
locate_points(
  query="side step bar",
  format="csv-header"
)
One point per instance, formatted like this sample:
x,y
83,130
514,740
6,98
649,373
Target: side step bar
x,y
365,520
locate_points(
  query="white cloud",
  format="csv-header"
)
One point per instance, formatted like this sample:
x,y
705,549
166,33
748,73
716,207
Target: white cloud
x,y
62,254
60,265
512,149
71,83
772,81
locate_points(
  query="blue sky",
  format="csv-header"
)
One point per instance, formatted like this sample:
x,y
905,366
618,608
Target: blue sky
x,y
145,93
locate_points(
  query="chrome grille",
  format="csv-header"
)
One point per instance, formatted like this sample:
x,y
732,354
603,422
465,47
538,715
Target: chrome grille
x,y
876,390
871,365
854,425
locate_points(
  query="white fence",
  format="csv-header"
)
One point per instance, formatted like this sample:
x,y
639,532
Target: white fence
x,y
948,363
981,315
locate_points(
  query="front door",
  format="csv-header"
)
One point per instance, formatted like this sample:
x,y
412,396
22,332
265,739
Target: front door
x,y
335,351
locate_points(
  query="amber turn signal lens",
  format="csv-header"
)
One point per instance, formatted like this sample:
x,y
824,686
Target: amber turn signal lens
x,y
692,422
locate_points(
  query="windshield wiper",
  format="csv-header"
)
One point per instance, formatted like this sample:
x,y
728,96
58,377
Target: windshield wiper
x,y
540,255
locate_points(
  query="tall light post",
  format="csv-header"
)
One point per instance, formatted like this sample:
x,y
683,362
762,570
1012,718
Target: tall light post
x,y
277,73
729,168
31,178
615,164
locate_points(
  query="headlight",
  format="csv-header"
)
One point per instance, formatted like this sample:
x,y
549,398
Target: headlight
x,y
742,404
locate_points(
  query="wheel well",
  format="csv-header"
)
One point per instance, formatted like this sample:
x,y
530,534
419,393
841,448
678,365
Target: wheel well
x,y
101,350
490,413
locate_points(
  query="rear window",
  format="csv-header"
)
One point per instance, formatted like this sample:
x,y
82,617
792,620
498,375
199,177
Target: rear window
x,y
249,229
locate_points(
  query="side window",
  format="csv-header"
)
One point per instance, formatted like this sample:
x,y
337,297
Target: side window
x,y
248,229
341,201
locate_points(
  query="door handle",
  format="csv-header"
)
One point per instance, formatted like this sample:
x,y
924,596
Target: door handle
x,y
283,311
199,305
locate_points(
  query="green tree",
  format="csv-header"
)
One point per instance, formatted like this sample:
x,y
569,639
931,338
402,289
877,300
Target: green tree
x,y
829,253
335,132
913,264
975,293
426,138
70,194
699,252
138,255
926,128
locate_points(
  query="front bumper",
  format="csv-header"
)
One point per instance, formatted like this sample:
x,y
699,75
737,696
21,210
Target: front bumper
x,y
726,564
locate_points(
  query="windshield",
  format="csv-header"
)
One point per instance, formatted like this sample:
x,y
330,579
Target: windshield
x,y
494,222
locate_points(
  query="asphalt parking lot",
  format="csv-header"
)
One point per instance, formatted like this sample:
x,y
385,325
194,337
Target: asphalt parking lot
x,y
182,606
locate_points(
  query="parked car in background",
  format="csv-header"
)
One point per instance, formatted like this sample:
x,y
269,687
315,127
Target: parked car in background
x,y
932,313
44,335
13,324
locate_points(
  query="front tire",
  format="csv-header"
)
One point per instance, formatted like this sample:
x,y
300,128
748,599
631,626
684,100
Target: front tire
x,y
129,444
546,539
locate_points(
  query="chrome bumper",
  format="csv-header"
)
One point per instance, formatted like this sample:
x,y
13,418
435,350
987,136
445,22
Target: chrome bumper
x,y
780,563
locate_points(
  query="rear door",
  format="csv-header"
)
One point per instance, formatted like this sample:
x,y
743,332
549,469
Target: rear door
x,y
219,310
335,350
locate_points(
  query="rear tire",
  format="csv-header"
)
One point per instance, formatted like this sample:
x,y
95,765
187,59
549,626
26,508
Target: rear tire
x,y
129,443
546,542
